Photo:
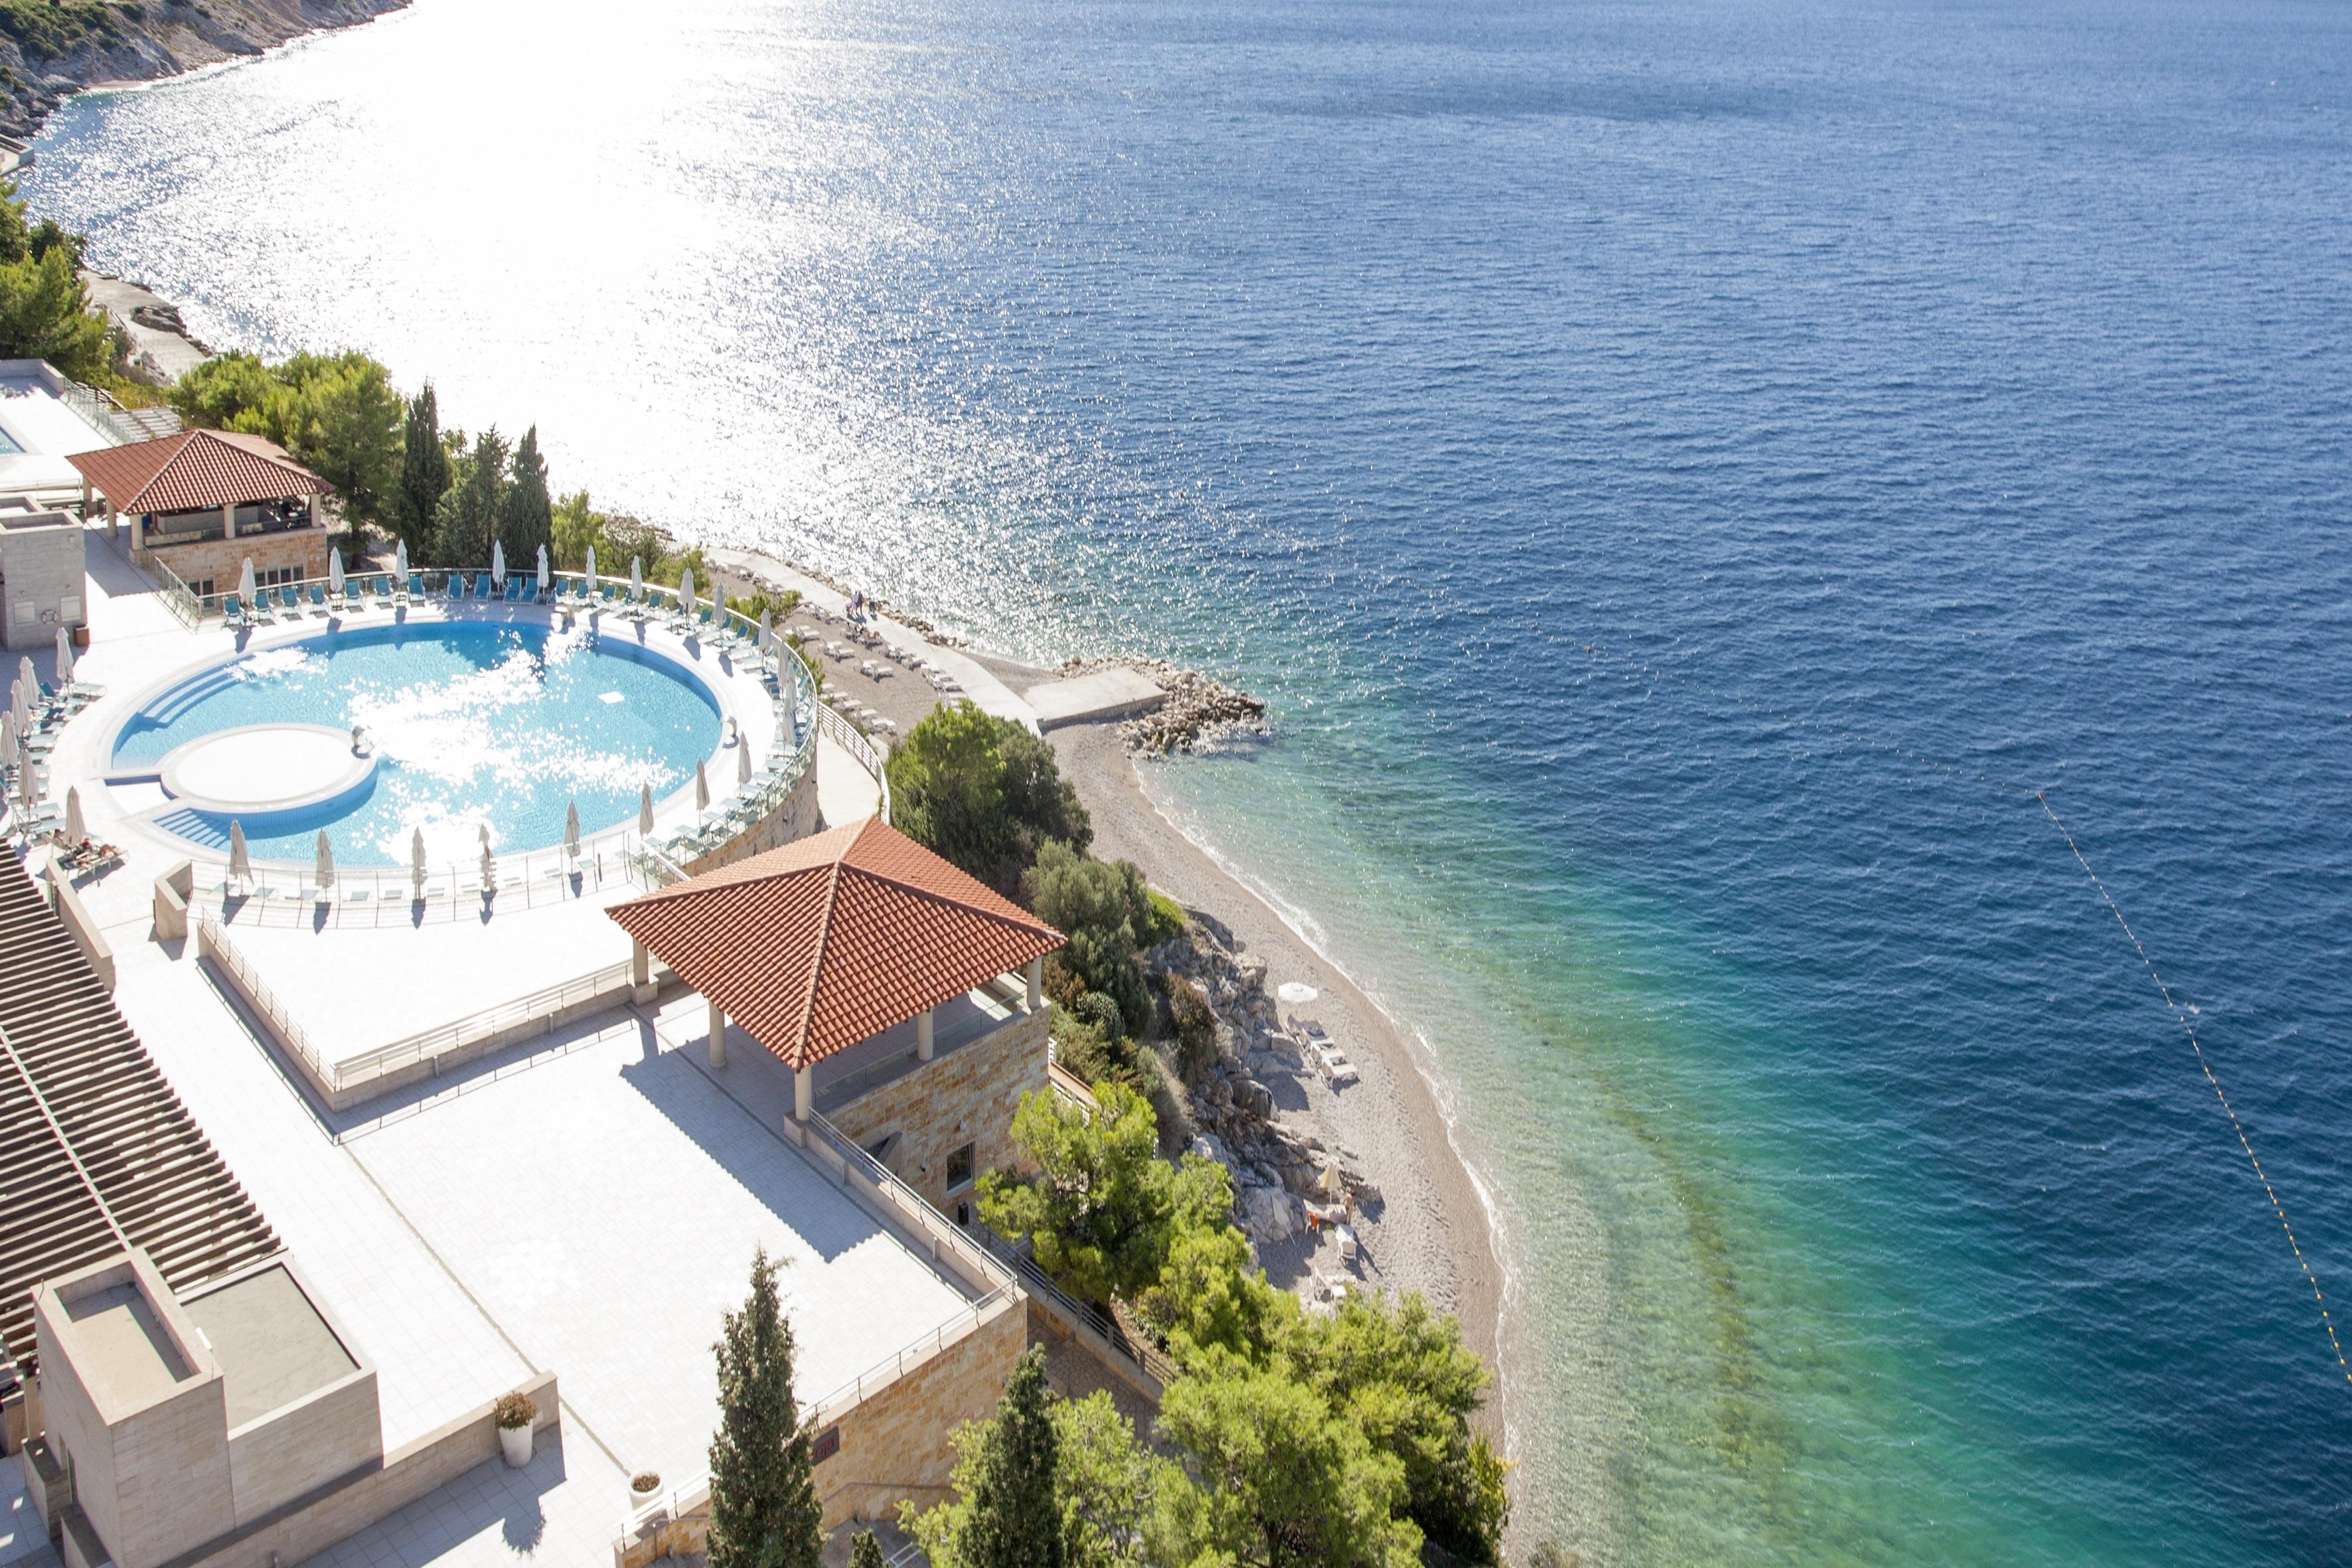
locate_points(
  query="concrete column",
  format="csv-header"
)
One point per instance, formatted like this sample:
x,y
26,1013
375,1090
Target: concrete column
x,y
228,521
923,1033
718,1035
641,971
85,498
1036,983
803,1093
314,511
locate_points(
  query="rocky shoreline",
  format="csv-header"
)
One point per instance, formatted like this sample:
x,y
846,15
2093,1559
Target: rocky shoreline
x,y
47,53
1198,714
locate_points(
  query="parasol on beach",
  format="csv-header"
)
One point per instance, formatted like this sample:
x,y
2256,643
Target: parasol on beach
x,y
686,590
245,583
592,571
645,808
742,760
636,578
497,563
28,786
65,658
240,860
26,682
335,573
701,786
542,570
1294,993
323,862
417,860
572,829
76,829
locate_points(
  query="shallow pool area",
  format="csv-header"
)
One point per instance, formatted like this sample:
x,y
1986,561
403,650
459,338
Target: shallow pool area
x,y
467,725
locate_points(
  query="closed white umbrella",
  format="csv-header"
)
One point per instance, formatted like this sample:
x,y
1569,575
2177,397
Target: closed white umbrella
x,y
572,829
685,590
240,862
400,560
335,573
76,830
490,869
644,808
636,578
591,573
65,658
26,680
767,633
743,759
28,785
542,569
497,563
701,786
417,860
7,737
324,865
245,583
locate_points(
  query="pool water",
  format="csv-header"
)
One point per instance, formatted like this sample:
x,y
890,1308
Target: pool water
x,y
474,725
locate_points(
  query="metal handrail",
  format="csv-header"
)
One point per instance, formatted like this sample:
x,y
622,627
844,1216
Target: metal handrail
x,y
544,1002
853,740
917,1207
213,943
1037,1282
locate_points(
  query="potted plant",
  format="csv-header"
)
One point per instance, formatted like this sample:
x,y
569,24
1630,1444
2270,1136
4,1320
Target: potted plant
x,y
514,1415
642,1488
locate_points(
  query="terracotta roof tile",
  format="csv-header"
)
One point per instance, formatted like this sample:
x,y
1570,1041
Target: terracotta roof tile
x,y
829,941
196,468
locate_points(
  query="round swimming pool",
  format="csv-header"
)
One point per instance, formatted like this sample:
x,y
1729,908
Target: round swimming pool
x,y
470,725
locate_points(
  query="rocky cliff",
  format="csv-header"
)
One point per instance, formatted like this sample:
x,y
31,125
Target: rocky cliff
x,y
51,47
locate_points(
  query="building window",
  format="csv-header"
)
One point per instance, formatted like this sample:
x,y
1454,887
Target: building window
x,y
959,1168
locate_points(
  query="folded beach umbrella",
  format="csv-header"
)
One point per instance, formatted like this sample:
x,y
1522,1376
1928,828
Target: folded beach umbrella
x,y
324,862
28,786
767,633
591,571
542,569
636,577
572,829
20,707
685,590
26,679
65,658
489,868
417,860
76,829
240,861
7,737
701,786
400,560
245,583
498,562
644,808
335,573
742,762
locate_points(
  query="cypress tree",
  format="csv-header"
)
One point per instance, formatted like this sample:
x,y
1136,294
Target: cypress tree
x,y
527,518
1015,1520
424,473
866,1551
764,1507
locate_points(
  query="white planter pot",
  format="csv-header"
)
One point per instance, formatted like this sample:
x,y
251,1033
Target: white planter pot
x,y
516,1443
641,1502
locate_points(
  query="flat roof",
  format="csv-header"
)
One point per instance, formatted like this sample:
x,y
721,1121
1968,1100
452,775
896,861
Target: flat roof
x,y
122,1347
272,1345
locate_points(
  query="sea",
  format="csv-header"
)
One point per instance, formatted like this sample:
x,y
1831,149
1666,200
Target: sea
x,y
1798,551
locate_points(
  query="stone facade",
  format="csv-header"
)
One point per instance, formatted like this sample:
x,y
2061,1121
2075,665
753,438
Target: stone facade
x,y
302,549
42,584
964,1096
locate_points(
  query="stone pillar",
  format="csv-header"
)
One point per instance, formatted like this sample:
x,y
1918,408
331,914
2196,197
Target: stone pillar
x,y
314,510
923,1033
229,520
1036,983
641,971
803,1094
718,1035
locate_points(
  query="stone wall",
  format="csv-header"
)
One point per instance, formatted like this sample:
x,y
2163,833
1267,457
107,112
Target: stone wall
x,y
223,560
964,1096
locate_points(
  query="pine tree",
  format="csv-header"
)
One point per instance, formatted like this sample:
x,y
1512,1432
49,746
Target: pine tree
x,y
424,473
1015,1522
764,1507
866,1551
468,519
527,518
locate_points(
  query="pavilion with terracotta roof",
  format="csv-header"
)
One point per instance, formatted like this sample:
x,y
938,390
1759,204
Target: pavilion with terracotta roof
x,y
213,499
831,941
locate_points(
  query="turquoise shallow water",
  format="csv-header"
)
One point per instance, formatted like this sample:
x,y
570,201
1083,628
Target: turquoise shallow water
x,y
473,726
1654,459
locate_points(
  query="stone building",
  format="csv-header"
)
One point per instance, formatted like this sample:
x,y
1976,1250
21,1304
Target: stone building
x,y
42,586
203,502
885,979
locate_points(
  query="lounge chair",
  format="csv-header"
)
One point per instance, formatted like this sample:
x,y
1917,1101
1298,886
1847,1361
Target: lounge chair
x,y
381,587
514,590
415,586
483,587
289,601
318,600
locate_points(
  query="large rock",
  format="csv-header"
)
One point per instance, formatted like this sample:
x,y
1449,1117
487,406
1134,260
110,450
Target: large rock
x,y
1268,1214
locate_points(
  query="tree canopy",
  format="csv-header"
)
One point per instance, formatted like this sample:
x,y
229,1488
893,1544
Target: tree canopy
x,y
45,311
984,794
424,473
764,1506
336,414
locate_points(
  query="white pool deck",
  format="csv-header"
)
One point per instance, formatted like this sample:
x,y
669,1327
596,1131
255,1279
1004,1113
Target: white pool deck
x,y
586,1204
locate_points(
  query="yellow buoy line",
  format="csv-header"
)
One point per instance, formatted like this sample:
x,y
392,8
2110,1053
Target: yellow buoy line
x,y
1963,772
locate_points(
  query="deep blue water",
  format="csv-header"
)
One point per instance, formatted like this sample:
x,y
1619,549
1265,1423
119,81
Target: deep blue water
x,y
1921,391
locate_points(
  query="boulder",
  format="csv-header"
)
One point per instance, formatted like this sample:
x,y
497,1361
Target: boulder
x,y
1268,1214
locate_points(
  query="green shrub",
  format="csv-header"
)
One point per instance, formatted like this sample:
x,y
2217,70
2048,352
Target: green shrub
x,y
1194,1025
